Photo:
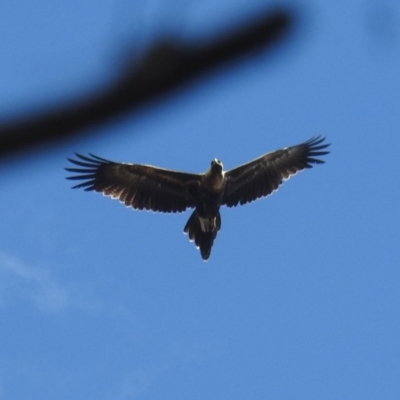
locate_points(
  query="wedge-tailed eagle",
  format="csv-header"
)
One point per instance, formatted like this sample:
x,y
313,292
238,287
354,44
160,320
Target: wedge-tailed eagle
x,y
145,187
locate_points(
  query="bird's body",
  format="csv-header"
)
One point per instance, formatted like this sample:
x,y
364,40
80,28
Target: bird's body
x,y
151,188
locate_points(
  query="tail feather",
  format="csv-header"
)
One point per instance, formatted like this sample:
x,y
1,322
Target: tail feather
x,y
202,239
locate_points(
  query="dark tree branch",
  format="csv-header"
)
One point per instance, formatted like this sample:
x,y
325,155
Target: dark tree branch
x,y
165,67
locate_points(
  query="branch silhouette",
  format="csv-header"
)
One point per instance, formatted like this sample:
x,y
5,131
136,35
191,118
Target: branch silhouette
x,y
165,67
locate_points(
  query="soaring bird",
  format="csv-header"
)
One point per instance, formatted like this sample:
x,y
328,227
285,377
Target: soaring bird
x,y
146,187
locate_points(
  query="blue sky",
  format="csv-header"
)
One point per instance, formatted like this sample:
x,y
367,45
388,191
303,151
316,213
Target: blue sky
x,y
300,298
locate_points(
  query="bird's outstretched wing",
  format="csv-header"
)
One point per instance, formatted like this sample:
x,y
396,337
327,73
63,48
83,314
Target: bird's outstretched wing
x,y
138,186
262,176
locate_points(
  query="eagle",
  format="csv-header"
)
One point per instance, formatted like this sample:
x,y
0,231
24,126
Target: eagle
x,y
145,187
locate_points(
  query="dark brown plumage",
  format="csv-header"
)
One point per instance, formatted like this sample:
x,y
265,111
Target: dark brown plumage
x,y
151,188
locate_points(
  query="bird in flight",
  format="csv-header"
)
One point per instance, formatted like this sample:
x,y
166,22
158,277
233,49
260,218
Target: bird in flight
x,y
145,187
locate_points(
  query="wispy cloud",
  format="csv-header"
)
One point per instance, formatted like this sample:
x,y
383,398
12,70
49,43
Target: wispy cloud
x,y
32,283
39,286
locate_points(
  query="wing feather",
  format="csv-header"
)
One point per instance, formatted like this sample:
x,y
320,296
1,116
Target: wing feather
x,y
262,176
137,186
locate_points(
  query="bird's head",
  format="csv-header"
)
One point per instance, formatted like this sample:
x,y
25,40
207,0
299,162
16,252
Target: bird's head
x,y
216,165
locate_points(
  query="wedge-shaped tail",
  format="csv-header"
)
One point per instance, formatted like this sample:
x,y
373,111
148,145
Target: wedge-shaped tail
x,y
203,240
